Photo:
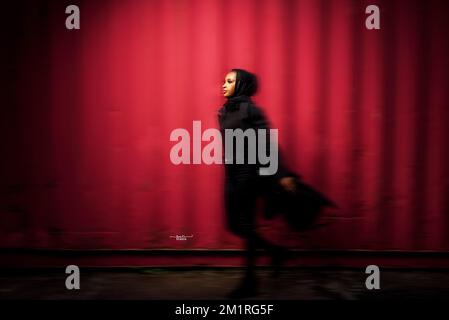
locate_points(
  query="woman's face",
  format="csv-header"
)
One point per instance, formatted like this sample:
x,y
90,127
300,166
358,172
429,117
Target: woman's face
x,y
229,84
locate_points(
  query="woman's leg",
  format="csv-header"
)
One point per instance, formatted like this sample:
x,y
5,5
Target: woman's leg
x,y
248,284
241,204
277,253
250,255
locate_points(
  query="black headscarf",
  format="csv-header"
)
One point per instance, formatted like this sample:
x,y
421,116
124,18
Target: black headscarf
x,y
245,87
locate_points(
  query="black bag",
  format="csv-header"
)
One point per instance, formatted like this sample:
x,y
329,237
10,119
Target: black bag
x,y
301,208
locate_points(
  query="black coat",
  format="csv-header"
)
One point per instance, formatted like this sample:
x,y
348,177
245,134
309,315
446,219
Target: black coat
x,y
243,184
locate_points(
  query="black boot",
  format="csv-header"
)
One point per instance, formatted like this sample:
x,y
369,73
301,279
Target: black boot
x,y
279,254
247,288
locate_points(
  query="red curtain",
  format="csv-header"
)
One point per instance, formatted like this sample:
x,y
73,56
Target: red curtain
x,y
88,115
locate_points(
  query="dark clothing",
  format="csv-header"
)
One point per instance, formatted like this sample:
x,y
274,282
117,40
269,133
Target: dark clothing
x,y
243,184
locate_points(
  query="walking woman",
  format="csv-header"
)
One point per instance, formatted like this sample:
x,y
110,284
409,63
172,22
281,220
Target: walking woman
x,y
242,181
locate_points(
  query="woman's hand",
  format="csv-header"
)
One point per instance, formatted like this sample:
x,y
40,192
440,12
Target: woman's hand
x,y
288,183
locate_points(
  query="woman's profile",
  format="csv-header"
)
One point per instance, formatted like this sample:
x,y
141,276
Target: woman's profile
x,y
242,181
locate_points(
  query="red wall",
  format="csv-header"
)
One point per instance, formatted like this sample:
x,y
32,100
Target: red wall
x,y
85,128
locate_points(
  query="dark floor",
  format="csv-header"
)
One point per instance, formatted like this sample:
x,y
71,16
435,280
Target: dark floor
x,y
294,284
